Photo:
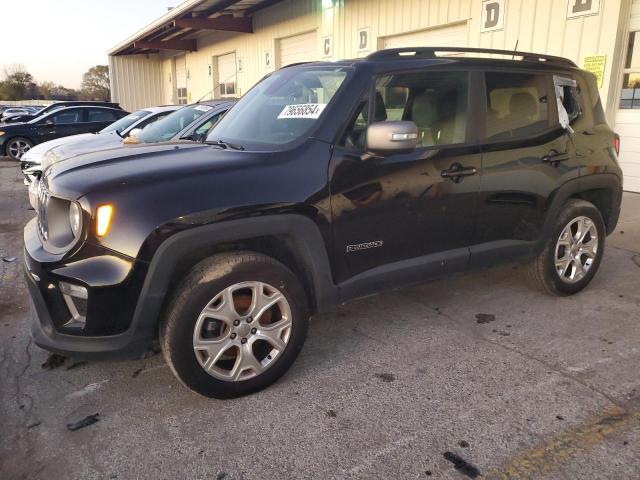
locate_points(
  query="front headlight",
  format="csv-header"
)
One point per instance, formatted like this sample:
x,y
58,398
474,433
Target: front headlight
x,y
75,218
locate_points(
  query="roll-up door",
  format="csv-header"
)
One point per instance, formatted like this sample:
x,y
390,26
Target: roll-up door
x,y
628,113
450,36
298,48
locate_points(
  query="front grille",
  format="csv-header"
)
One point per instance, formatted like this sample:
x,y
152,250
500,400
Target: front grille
x,y
41,210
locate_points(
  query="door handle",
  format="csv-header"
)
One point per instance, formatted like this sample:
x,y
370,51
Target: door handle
x,y
457,172
554,156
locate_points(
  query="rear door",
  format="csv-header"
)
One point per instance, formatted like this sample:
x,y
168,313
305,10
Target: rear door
x,y
63,123
409,210
99,118
526,157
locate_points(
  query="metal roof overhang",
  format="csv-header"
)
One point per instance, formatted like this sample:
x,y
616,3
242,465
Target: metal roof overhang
x,y
179,27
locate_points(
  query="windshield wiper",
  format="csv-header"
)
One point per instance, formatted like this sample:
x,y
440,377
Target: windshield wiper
x,y
225,145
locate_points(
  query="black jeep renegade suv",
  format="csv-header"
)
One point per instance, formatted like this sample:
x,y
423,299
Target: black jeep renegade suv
x,y
327,181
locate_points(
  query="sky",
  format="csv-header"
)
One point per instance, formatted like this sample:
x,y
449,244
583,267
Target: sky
x,y
59,40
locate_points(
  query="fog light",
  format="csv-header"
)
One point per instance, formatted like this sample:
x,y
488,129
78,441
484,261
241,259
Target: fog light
x,y
75,296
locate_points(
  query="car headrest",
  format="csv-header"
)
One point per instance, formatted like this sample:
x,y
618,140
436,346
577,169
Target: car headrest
x,y
423,110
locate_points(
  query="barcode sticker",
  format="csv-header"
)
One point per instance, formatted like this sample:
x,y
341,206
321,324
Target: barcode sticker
x,y
302,110
203,108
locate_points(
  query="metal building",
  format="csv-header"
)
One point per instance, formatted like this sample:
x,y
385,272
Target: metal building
x,y
220,48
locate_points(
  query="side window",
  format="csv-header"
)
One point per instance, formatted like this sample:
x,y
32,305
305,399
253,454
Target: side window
x,y
568,95
100,115
67,116
435,102
208,125
517,105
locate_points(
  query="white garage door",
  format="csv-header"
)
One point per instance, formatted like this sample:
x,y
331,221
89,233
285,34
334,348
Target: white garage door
x,y
181,80
628,114
451,36
298,48
227,75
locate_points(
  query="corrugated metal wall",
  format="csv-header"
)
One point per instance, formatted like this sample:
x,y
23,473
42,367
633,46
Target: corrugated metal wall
x,y
136,81
290,18
537,25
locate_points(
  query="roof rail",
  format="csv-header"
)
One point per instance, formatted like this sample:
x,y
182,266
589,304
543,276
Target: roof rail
x,y
430,52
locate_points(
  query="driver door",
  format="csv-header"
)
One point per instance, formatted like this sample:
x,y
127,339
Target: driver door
x,y
406,216
64,123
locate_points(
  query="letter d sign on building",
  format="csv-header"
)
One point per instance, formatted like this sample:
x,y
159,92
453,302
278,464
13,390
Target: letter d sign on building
x,y
492,18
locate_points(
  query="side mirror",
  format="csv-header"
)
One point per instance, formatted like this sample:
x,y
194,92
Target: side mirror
x,y
134,132
386,138
49,123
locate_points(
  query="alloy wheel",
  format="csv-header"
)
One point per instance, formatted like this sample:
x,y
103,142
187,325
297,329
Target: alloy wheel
x,y
576,249
242,331
17,148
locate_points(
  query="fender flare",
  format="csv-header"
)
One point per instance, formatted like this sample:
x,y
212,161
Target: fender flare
x,y
301,232
576,186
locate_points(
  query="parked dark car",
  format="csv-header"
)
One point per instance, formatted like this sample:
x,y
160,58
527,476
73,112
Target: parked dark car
x,y
18,138
327,181
56,106
191,122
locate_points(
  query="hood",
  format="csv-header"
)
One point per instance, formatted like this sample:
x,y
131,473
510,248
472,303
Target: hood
x,y
15,125
20,118
85,143
134,164
35,154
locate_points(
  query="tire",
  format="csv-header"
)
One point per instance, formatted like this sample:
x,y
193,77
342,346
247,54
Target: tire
x,y
567,277
18,146
199,325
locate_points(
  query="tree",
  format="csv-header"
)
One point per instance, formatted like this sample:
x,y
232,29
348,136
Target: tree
x,y
95,84
18,84
51,91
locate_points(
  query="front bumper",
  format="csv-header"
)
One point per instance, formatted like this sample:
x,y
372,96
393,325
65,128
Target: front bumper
x,y
113,284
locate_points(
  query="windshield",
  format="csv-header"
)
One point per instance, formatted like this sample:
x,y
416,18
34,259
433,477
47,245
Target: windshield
x,y
281,108
125,122
165,129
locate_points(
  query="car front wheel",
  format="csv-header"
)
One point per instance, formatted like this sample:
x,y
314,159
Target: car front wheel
x,y
235,324
572,255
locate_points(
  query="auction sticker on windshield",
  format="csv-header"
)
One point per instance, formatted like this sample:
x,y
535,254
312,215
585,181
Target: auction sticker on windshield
x,y
203,108
302,110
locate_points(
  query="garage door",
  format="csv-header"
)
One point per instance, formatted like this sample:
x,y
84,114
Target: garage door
x,y
181,80
298,48
450,36
227,75
628,114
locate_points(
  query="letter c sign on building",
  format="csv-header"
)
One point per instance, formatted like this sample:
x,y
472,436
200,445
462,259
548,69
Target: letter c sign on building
x,y
493,12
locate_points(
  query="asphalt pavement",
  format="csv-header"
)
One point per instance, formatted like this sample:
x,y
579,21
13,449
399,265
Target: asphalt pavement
x,y
407,384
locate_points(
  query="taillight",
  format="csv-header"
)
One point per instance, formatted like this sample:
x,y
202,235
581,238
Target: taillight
x,y
616,143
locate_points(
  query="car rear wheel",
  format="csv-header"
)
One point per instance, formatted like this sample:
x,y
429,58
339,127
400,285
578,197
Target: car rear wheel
x,y
235,324
572,255
16,147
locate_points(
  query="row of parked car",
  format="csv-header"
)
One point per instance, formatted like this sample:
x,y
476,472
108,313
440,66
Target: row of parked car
x,y
68,129
8,112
